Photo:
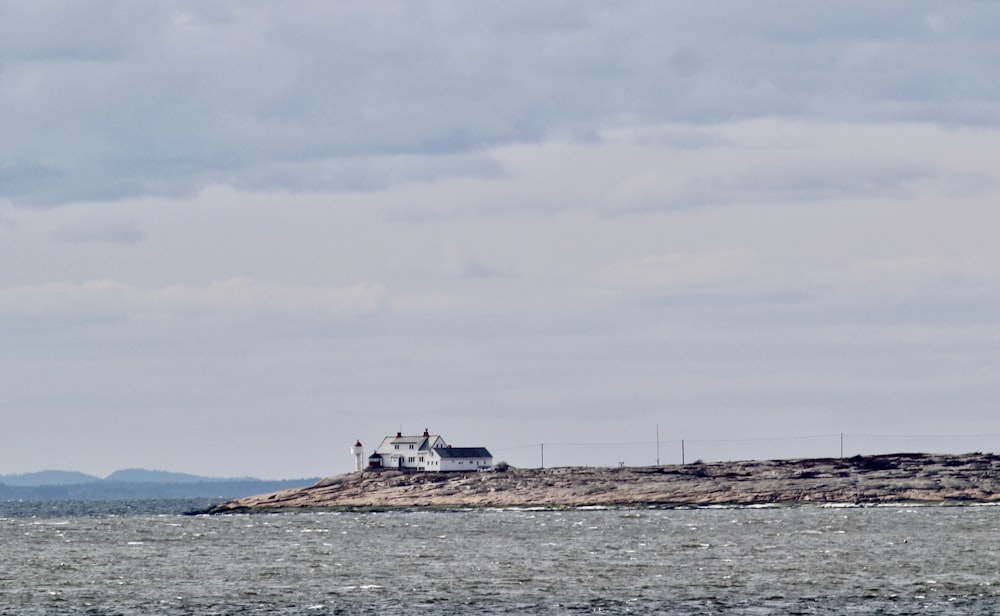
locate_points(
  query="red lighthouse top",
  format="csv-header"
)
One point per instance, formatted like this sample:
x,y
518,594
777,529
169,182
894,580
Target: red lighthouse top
x,y
357,443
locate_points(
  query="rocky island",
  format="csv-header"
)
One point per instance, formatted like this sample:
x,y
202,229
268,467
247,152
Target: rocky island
x,y
861,480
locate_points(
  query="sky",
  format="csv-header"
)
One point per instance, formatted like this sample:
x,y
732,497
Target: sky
x,y
237,236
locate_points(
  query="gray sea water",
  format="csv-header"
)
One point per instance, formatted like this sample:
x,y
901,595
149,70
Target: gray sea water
x,y
146,558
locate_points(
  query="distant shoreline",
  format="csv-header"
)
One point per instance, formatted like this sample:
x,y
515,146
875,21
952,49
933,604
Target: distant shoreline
x,y
859,480
141,490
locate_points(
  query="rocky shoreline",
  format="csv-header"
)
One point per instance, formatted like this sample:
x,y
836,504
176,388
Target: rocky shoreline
x,y
859,480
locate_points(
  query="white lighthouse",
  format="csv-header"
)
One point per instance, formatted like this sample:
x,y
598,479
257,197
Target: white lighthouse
x,y
358,451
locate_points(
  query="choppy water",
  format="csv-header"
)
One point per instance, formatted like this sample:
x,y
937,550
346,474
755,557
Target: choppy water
x,y
147,559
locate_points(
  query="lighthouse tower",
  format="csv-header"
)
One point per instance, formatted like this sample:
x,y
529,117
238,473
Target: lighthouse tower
x,y
358,451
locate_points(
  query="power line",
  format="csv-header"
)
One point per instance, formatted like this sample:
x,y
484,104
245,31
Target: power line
x,y
923,436
762,439
841,437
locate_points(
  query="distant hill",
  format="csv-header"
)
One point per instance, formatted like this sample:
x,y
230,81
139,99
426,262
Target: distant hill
x,y
135,483
141,475
48,478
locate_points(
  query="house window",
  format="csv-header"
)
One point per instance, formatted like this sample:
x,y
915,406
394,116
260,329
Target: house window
x,y
421,458
410,459
411,446
396,446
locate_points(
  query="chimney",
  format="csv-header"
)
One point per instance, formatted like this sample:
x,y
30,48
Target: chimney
x,y
399,435
425,432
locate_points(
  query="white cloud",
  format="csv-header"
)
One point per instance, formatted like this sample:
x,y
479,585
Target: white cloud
x,y
224,298
244,294
679,270
923,270
111,232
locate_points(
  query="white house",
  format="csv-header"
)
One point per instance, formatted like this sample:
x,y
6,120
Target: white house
x,y
428,452
460,459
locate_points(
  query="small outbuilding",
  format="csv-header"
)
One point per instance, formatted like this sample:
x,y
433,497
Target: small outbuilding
x,y
460,459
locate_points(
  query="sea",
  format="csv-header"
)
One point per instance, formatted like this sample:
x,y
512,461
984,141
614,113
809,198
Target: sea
x,y
148,557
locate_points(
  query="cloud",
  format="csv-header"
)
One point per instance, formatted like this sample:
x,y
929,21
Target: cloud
x,y
922,269
367,173
112,233
244,294
774,161
801,181
23,178
678,270
174,98
950,292
448,262
97,301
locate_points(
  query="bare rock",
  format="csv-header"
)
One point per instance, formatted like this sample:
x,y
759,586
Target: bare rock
x,y
861,480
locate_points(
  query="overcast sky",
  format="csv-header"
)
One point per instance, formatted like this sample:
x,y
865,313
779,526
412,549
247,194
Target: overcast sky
x,y
237,236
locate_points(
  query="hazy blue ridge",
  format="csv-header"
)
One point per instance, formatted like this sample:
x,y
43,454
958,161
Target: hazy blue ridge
x,y
141,475
48,478
135,484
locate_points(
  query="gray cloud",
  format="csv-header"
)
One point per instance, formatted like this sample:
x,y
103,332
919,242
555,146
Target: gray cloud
x,y
806,182
114,233
101,100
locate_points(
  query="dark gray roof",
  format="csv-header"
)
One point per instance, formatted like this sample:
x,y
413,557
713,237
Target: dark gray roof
x,y
412,440
463,452
422,442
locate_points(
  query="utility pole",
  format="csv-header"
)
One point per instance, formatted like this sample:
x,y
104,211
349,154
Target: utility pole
x,y
682,451
543,454
841,445
658,445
